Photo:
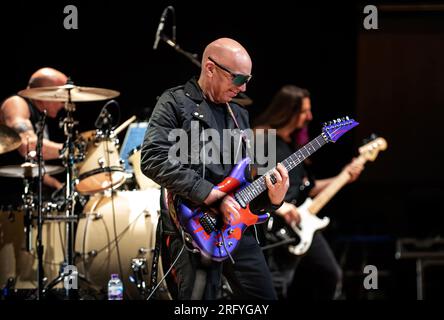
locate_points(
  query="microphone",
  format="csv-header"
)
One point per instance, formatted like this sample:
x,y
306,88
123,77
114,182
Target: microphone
x,y
160,27
104,120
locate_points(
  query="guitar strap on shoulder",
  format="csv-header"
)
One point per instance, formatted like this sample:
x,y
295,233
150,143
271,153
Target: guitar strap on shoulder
x,y
243,135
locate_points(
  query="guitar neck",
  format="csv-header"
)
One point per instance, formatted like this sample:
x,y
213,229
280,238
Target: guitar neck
x,y
330,191
258,186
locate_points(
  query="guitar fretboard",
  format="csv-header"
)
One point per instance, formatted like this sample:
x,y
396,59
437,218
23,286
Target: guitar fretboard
x,y
258,186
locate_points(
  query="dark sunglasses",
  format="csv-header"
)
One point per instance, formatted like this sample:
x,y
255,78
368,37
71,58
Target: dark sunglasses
x,y
238,79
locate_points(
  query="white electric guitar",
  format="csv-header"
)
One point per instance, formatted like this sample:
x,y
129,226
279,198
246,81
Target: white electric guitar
x,y
309,222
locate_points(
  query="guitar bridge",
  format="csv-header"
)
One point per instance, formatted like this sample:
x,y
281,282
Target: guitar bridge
x,y
208,223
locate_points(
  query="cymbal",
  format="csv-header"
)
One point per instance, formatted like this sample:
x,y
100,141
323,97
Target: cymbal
x,y
61,93
28,170
9,139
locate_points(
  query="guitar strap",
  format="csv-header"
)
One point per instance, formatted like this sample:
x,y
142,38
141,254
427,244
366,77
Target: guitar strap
x,y
243,135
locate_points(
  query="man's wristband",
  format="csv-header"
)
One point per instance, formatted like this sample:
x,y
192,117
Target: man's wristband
x,y
274,207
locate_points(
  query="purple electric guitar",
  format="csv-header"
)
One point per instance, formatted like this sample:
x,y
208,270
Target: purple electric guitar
x,y
217,240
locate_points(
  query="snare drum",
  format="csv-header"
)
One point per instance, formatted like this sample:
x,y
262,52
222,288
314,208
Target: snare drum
x,y
117,229
101,168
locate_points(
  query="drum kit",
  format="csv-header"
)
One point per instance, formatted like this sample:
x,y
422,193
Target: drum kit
x,y
113,233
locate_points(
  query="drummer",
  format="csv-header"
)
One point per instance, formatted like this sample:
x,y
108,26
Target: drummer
x,y
22,115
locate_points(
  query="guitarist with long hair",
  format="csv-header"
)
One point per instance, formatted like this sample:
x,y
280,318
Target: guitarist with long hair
x,y
290,113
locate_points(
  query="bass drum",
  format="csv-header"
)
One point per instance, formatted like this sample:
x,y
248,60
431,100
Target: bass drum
x,y
119,227
19,266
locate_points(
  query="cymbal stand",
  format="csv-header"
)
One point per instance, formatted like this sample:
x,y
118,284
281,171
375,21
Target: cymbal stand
x,y
39,149
68,124
28,199
28,206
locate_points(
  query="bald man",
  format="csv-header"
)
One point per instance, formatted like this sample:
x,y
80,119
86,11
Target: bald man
x,y
206,103
22,115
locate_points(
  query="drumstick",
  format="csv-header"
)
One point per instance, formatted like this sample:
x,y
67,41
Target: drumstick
x,y
123,126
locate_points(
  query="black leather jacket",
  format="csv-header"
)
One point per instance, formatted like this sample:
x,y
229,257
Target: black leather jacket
x,y
176,108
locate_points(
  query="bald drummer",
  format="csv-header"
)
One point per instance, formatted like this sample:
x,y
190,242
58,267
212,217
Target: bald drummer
x,y
22,115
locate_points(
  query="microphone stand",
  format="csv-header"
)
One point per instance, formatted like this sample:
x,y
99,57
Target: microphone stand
x,y
175,46
104,122
40,271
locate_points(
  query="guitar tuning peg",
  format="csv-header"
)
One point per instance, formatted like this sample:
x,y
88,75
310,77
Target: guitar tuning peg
x,y
347,118
339,120
373,136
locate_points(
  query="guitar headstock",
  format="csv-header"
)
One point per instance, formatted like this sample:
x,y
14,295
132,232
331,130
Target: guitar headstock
x,y
371,149
333,130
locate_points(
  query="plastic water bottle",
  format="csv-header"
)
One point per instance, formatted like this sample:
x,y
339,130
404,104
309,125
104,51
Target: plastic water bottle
x,y
115,288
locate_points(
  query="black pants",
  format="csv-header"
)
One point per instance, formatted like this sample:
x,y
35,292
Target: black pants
x,y
195,278
313,276
249,276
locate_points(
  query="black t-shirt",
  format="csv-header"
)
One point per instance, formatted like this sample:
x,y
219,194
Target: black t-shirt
x,y
220,114
11,189
301,181
223,118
